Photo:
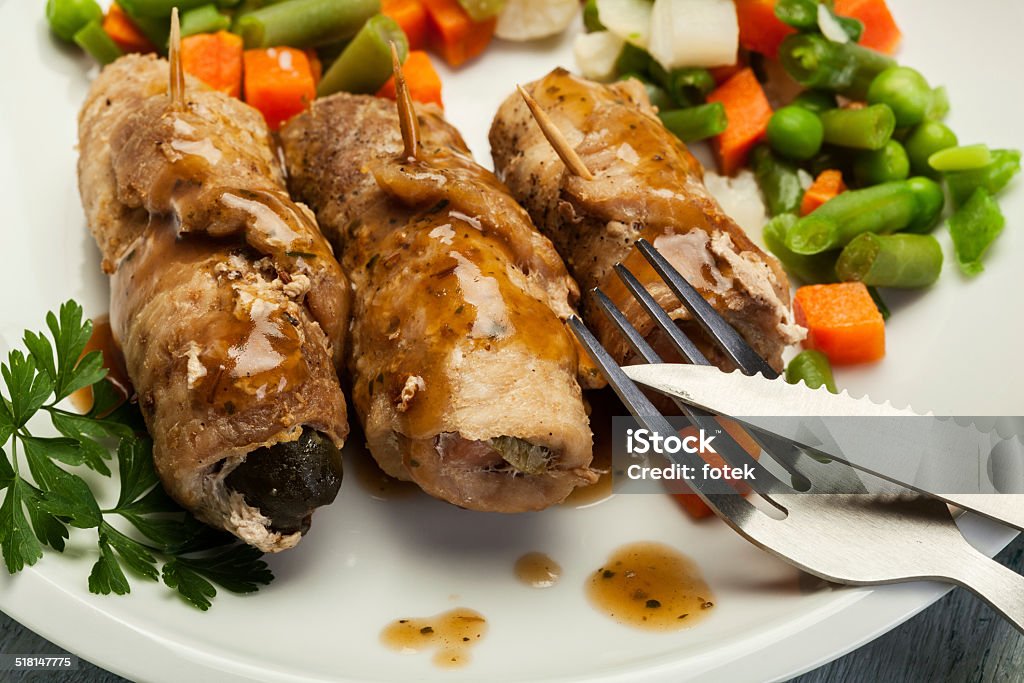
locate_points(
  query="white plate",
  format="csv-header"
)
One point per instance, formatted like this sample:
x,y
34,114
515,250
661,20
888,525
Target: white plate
x,y
366,562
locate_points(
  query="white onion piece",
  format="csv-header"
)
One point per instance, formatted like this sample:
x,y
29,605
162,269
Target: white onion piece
x,y
694,33
630,20
596,53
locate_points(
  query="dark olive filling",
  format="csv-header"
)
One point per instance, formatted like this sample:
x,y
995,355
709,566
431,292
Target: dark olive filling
x,y
287,481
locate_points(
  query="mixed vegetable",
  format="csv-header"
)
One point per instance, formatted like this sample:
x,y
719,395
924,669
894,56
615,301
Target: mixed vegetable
x,y
281,54
854,163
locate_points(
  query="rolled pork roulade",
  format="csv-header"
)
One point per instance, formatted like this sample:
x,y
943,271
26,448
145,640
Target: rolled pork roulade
x,y
226,301
645,183
464,375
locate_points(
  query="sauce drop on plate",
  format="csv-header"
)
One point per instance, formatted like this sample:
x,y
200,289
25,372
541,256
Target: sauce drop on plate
x,y
537,570
650,586
102,340
451,633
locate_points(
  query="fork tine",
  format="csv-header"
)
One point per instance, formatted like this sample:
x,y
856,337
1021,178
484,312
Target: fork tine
x,y
706,316
717,493
683,344
764,482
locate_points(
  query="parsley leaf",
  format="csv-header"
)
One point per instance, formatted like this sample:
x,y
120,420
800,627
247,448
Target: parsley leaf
x,y
17,541
106,576
194,556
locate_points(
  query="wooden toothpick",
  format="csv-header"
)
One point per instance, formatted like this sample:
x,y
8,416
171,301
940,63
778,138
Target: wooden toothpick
x,y
406,111
554,136
177,88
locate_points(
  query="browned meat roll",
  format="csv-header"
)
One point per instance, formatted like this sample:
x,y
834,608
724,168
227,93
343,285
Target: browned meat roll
x,y
463,373
225,299
646,184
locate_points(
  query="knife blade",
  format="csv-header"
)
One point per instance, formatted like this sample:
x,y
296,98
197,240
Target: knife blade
x,y
959,463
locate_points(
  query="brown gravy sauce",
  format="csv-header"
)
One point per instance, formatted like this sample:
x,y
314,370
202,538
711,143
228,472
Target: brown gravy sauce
x,y
537,570
650,586
603,407
360,465
452,634
102,340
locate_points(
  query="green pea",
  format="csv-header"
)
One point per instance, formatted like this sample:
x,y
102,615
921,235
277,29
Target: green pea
x,y
905,91
882,165
795,132
930,201
925,140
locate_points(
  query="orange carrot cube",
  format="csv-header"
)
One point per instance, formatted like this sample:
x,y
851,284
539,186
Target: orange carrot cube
x,y
842,322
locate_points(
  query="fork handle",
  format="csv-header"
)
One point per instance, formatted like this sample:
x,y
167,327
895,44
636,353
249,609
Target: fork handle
x,y
999,586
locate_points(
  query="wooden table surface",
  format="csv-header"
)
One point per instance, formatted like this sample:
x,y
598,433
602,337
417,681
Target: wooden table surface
x,y
956,640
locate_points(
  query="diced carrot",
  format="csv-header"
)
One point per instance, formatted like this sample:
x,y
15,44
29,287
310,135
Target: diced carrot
x,y
215,59
880,30
421,77
123,31
760,30
454,34
748,112
842,322
316,67
827,185
411,15
278,82
691,502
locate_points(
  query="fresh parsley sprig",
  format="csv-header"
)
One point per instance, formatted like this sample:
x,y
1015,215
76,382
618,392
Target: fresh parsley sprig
x,y
191,556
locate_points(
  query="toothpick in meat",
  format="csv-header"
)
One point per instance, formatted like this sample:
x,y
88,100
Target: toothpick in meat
x,y
406,112
562,147
177,88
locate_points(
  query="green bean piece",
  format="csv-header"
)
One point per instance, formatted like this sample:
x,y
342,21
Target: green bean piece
x,y
795,132
365,65
815,100
974,227
156,29
879,303
68,17
994,177
161,9
854,28
813,369
844,68
690,86
695,123
656,94
304,23
94,40
591,21
228,4
907,205
867,128
903,90
633,60
810,270
205,19
800,14
778,180
967,158
882,165
900,261
924,140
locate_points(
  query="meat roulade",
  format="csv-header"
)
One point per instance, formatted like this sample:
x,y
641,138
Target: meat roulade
x,y
226,301
465,377
645,183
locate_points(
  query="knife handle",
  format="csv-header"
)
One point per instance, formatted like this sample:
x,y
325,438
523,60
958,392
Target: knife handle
x,y
1000,587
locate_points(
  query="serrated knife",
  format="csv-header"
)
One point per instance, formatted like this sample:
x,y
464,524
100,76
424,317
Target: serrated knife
x,y
968,467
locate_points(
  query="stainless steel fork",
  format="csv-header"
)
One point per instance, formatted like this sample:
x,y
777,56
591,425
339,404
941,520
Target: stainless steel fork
x,y
851,538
